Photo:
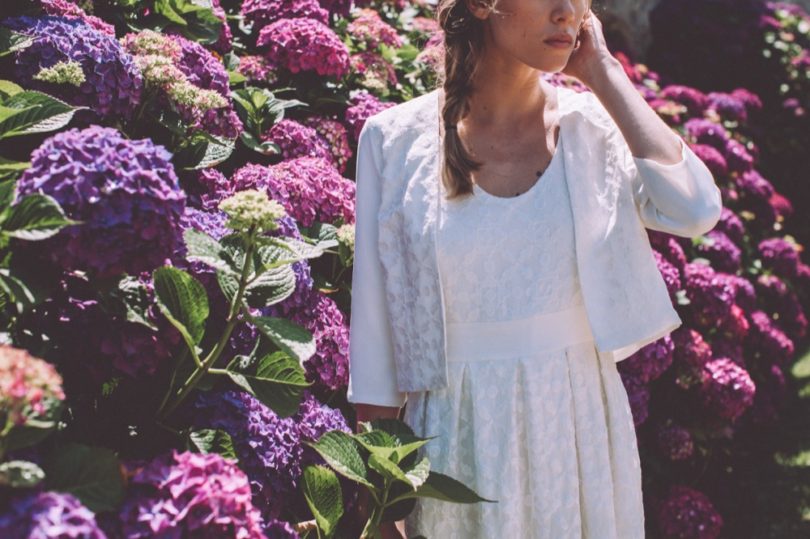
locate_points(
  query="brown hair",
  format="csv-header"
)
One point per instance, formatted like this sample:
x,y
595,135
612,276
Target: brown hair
x,y
463,46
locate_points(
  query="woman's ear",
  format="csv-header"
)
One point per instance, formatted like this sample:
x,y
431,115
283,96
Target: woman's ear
x,y
480,9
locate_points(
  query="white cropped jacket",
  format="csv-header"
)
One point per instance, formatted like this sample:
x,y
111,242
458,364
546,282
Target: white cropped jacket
x,y
397,322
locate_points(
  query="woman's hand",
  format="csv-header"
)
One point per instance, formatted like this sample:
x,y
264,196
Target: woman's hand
x,y
591,55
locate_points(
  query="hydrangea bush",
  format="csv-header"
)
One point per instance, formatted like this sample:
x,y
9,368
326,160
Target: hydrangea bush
x,y
186,270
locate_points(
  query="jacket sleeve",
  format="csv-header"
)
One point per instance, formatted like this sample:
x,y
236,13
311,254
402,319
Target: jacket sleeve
x,y
372,371
681,198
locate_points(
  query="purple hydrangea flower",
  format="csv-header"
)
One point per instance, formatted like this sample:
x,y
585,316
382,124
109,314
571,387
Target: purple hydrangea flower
x,y
751,100
694,100
309,188
784,302
279,529
296,140
710,297
768,339
737,157
206,188
190,495
708,132
780,256
669,247
720,251
269,448
713,159
49,515
754,186
124,191
303,44
225,41
727,389
745,294
112,83
731,225
690,348
671,275
363,106
650,362
675,442
728,106
638,395
686,513
263,12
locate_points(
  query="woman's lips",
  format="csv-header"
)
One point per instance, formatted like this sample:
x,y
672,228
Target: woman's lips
x,y
558,44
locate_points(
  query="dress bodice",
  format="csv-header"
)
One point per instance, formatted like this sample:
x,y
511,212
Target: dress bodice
x,y
509,258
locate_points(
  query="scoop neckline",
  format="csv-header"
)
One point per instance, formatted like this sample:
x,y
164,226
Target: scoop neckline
x,y
541,179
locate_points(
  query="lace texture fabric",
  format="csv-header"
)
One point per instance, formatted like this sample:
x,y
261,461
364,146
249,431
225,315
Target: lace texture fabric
x,y
549,435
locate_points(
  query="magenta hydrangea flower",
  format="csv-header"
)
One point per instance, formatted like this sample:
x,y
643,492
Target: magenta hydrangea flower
x,y
671,275
336,137
190,495
731,225
367,27
770,397
669,247
736,324
206,188
675,442
296,140
257,69
737,157
720,251
784,302
124,191
727,389
780,256
309,188
363,106
686,513
49,515
712,158
708,132
111,84
304,44
260,13
745,294
694,100
768,339
69,10
754,186
728,106
650,362
225,41
691,353
728,348
710,297
29,387
338,7
751,100
377,73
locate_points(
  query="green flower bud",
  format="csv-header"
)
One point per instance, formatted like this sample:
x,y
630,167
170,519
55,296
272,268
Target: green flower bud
x,y
62,73
252,209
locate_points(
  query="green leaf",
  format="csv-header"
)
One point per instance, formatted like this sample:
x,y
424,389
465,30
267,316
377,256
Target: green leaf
x,y
277,380
203,151
203,248
183,301
271,287
323,495
443,487
133,301
8,88
20,474
386,468
290,337
213,441
11,41
92,474
34,430
390,446
234,77
340,451
16,290
418,473
35,217
10,171
36,113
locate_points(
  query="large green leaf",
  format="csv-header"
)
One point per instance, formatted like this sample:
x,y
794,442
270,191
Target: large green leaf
x,y
34,430
203,151
16,290
386,468
35,217
92,474
418,473
183,301
203,248
443,487
11,41
195,18
323,494
276,379
9,171
37,113
271,287
213,441
340,451
290,337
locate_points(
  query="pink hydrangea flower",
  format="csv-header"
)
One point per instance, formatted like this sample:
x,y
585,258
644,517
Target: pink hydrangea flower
x,y
29,386
305,45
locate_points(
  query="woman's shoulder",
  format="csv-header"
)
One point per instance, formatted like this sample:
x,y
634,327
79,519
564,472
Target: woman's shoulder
x,y
417,112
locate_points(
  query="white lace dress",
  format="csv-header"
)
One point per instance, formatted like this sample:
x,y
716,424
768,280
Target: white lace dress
x,y
531,418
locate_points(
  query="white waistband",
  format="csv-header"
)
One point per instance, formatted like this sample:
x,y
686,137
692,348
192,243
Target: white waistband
x,y
514,338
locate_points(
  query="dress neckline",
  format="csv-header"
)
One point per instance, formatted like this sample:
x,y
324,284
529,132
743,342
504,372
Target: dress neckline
x,y
541,179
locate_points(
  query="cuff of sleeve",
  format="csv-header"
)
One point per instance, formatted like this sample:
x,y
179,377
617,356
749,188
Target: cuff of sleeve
x,y
653,165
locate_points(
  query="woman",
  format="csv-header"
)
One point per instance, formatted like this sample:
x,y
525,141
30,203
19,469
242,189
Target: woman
x,y
498,310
